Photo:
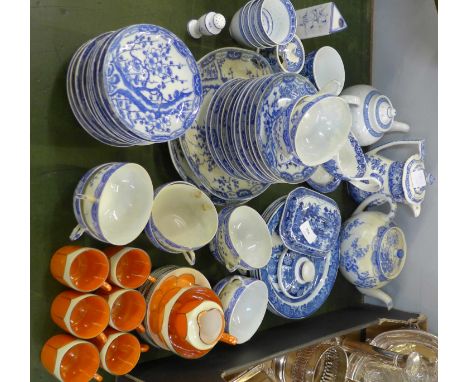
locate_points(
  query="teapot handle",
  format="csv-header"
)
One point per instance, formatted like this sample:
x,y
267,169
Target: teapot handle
x,y
372,185
419,143
378,199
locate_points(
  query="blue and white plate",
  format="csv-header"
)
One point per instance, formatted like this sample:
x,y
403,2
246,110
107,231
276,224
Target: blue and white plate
x,y
135,86
288,295
310,223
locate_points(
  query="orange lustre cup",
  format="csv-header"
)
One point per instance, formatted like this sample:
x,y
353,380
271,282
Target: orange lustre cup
x,y
127,309
84,315
81,268
120,352
129,267
70,359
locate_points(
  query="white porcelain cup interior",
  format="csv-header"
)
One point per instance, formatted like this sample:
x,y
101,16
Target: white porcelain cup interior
x,y
250,236
322,130
276,22
248,312
328,66
125,204
185,215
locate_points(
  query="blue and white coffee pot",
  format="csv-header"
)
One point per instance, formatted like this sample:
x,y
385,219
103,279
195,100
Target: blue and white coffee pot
x,y
403,181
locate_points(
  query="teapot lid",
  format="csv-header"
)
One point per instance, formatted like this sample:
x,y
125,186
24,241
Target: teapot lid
x,y
415,179
383,112
390,252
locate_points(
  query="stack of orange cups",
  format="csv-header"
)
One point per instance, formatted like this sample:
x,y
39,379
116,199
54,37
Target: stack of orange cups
x,y
85,315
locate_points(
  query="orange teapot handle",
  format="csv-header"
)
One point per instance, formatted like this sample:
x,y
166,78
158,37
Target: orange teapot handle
x,y
228,339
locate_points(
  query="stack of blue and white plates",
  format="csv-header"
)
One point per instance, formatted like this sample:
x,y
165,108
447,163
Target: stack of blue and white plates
x,y
136,86
264,23
246,125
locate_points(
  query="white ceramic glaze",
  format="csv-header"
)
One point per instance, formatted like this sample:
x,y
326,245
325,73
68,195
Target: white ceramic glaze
x,y
373,115
245,301
373,250
116,201
404,181
183,218
319,128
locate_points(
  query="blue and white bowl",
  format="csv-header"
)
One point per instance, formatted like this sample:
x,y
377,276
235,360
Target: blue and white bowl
x,y
112,203
243,241
135,86
244,301
324,66
264,23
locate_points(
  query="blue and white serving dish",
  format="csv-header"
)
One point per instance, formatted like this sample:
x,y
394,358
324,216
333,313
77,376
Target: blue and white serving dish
x,y
298,284
135,86
310,223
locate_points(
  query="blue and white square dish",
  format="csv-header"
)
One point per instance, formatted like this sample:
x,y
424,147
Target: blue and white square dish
x,y
310,223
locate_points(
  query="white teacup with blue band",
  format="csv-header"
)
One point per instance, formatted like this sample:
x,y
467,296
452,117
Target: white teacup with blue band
x,y
323,66
243,240
289,57
183,219
319,127
244,301
112,202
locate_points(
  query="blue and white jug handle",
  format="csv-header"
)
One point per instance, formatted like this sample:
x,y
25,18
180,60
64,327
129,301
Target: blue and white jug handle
x,y
419,143
77,232
366,183
377,200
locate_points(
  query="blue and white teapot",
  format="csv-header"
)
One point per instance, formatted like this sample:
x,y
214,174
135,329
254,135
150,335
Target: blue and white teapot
x,y
404,181
372,249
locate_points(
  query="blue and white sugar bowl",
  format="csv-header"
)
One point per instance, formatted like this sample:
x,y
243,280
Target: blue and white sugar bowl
x,y
373,249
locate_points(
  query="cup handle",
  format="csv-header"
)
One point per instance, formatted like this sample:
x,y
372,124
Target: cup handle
x,y
151,279
106,286
140,329
77,232
367,187
97,377
190,257
144,348
228,339
232,267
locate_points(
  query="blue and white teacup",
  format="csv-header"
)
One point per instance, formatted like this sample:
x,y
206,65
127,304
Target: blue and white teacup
x,y
286,58
319,126
112,203
244,301
243,240
324,66
183,219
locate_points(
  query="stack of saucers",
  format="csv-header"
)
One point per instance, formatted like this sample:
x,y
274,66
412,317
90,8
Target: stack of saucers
x,y
299,282
136,86
264,23
274,129
190,154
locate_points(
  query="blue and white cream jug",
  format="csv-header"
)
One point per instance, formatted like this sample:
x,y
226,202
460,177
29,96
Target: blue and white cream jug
x,y
373,114
372,249
403,181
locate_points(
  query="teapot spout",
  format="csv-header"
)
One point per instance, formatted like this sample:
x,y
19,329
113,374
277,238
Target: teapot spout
x,y
399,126
379,295
416,208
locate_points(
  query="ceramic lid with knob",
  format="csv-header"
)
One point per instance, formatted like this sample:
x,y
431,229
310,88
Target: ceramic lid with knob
x,y
381,111
390,247
298,284
415,179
